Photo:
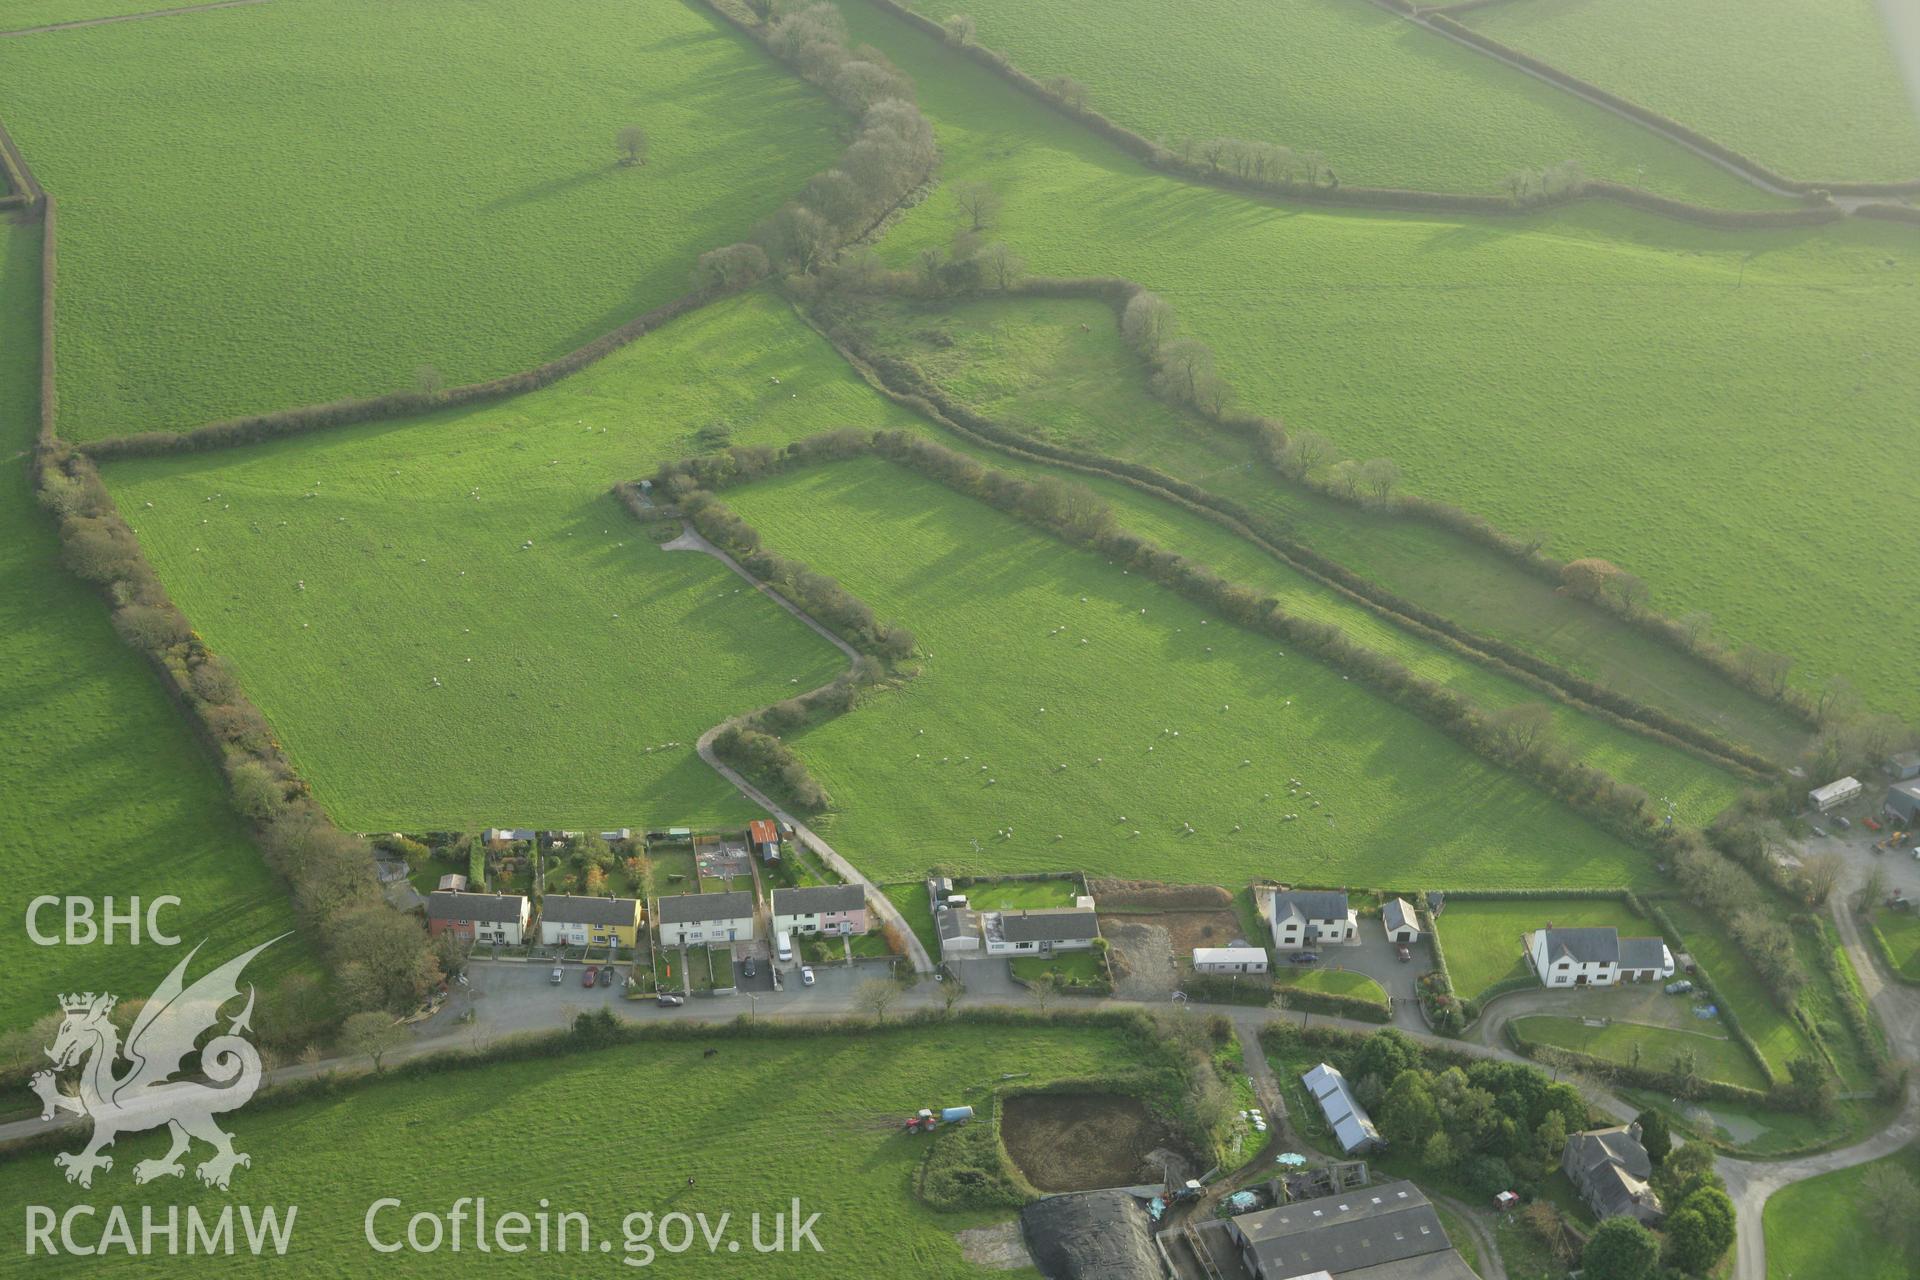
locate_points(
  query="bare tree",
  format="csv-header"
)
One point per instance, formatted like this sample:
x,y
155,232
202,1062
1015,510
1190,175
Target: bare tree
x,y
1183,363
1068,90
1837,700
633,144
876,996
1000,265
1629,591
1345,477
1380,475
1696,627
1307,452
952,992
373,1034
1147,323
979,204
429,381
1823,872
959,29
1043,990
1524,729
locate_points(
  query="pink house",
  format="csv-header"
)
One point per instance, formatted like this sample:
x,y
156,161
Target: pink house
x,y
826,908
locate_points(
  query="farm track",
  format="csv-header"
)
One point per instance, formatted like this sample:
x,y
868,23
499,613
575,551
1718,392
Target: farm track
x,y
128,17
690,540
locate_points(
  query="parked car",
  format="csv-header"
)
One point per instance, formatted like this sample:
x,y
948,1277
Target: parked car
x,y
1679,988
1843,822
590,976
748,968
558,976
806,975
667,1000
1404,951
1304,957
1818,830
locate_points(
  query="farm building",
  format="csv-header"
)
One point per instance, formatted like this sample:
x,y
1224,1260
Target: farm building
x,y
1833,794
1903,803
452,882
959,926
1352,1126
569,921
1596,957
1398,919
684,918
1904,766
1310,918
825,908
479,917
1229,960
765,839
1387,1232
1040,931
1609,1168
498,838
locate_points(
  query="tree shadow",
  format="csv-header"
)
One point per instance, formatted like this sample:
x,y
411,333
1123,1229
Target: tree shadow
x,y
554,188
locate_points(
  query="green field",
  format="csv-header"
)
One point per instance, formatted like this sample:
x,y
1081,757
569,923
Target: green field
x,y
910,897
1080,967
1816,1228
1333,982
293,202
983,593
1715,1057
1808,87
1779,1037
21,14
103,789
641,1122
1545,372
1056,370
1483,936
1899,936
1021,895
551,721
1352,81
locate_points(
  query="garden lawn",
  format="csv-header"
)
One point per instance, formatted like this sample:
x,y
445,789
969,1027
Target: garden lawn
x,y
1079,967
289,203
643,1120
1779,1036
909,897
1898,933
1071,746
104,791
1483,936
1716,1058
1056,369
1630,386
1808,87
1333,982
1021,895
562,717
1388,104
1817,1228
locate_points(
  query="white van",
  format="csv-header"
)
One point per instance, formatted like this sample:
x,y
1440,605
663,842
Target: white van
x,y
783,945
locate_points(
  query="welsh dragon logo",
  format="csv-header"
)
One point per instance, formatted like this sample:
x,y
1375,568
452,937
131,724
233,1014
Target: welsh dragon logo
x,y
145,1095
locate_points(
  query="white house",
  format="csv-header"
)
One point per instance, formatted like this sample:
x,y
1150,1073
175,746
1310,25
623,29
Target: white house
x,y
1041,931
823,908
1596,957
1312,918
1399,921
1229,960
687,918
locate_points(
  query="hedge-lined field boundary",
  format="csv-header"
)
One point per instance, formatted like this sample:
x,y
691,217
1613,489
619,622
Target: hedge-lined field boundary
x,y
1753,169
18,187
1642,1077
1158,157
905,385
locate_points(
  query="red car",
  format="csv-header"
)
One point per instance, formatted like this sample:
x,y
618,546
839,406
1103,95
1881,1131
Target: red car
x,y
591,975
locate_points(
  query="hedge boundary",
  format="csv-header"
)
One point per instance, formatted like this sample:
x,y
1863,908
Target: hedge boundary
x,y
1653,119
1509,660
1642,1077
1157,157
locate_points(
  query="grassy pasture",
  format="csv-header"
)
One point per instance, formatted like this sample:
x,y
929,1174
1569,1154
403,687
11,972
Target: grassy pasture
x,y
1716,1057
1352,81
103,789
550,722
1031,363
983,594
294,202
1817,1227
18,15
1333,982
1706,408
641,1121
1779,1037
1898,933
1482,936
1809,87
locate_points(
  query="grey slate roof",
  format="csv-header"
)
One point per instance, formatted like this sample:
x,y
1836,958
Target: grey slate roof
x,y
696,908
1398,914
1050,924
492,908
567,908
1311,904
1610,1169
1643,953
1588,946
1354,1231
957,922
814,899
